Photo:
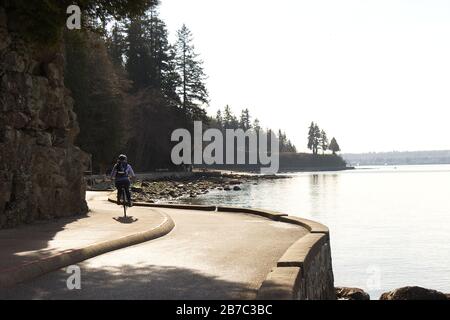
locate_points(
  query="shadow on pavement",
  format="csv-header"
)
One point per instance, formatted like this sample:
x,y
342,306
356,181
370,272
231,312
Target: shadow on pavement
x,y
132,282
29,242
128,219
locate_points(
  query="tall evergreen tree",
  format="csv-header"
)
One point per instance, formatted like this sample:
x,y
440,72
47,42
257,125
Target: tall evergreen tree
x,y
150,57
137,53
244,122
151,64
116,45
334,146
323,141
314,136
192,88
282,140
256,125
311,137
170,79
317,137
229,119
219,119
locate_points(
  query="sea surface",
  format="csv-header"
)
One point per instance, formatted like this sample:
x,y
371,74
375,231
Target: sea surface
x,y
389,226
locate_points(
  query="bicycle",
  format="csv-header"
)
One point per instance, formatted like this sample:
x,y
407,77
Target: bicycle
x,y
125,201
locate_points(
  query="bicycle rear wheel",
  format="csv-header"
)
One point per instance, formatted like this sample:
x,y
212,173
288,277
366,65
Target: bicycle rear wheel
x,y
125,201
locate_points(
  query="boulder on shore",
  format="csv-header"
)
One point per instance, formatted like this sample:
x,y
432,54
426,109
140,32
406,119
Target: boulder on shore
x,y
137,189
344,293
413,293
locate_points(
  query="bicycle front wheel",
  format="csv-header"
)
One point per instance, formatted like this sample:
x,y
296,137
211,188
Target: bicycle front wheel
x,y
125,199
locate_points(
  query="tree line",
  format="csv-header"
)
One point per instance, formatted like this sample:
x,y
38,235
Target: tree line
x,y
226,119
132,88
318,139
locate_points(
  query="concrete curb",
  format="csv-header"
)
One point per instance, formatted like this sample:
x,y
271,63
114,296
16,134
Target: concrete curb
x,y
112,198
260,212
299,252
10,277
311,226
175,206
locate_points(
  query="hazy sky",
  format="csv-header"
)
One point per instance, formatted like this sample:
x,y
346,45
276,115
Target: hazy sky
x,y
374,74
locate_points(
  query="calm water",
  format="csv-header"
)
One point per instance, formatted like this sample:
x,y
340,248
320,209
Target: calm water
x,y
390,226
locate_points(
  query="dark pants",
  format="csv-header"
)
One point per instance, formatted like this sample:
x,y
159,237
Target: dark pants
x,y
123,184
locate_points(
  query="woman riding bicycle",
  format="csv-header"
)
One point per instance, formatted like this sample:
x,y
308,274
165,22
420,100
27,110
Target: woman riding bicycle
x,y
122,172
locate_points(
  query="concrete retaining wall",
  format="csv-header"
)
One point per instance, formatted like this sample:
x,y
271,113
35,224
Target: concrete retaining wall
x,y
305,270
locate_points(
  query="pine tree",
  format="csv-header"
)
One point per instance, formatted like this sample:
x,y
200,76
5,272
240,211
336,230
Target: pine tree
x,y
323,141
154,102
256,125
170,80
219,119
282,140
314,138
311,137
291,147
334,146
244,122
192,88
116,45
138,58
229,119
150,57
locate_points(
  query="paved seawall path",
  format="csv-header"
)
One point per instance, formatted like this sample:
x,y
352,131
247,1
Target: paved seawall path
x,y
32,250
208,255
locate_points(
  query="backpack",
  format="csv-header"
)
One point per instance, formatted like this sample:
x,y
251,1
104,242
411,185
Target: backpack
x,y
121,169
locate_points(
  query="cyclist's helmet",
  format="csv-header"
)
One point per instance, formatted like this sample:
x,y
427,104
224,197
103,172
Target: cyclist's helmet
x,y
123,157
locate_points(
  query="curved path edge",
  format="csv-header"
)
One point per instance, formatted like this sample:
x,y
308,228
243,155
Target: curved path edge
x,y
34,269
304,272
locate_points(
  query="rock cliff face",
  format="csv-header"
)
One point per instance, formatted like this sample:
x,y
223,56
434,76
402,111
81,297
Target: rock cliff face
x,y
41,171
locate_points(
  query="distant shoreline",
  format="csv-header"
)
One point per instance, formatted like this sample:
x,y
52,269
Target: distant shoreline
x,y
316,169
436,157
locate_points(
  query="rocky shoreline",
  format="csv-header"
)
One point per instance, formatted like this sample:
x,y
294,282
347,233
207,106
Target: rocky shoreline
x,y
404,293
173,189
192,187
